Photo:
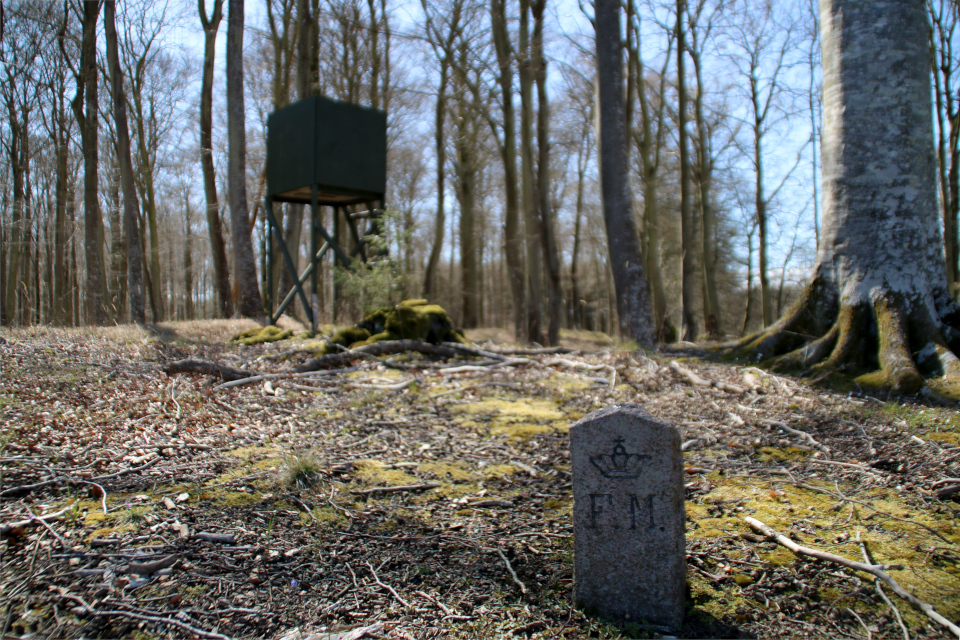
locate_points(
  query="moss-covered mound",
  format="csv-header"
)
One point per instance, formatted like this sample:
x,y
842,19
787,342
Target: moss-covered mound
x,y
409,320
260,335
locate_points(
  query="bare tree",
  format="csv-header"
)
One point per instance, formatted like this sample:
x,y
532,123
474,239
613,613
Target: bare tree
x,y
687,250
93,221
626,260
547,217
218,247
131,208
765,47
702,18
877,297
944,16
442,43
649,138
513,247
245,266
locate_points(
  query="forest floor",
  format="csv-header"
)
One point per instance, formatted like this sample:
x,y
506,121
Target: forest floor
x,y
188,510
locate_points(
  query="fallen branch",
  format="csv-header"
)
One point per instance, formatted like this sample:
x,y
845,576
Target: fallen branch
x,y
33,521
270,376
446,610
800,434
215,369
513,574
86,608
27,488
880,592
697,381
876,570
388,588
385,387
385,348
408,487
535,352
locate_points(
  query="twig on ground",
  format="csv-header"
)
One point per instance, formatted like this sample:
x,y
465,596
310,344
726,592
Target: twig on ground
x,y
408,487
868,506
203,633
215,369
271,376
513,574
388,588
446,610
876,583
697,381
103,494
872,569
63,543
33,521
801,434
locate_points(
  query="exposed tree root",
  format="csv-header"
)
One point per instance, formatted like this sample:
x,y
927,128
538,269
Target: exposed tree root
x,y
893,341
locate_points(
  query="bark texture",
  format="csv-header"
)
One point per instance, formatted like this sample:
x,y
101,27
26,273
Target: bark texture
x,y
131,208
878,295
626,260
218,248
244,263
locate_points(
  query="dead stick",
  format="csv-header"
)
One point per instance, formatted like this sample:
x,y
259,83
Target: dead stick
x,y
33,521
388,588
697,381
802,434
203,633
124,472
446,610
873,569
409,487
882,513
513,574
880,592
209,368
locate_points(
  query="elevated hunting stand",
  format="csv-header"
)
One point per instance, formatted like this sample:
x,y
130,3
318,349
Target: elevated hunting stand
x,y
323,152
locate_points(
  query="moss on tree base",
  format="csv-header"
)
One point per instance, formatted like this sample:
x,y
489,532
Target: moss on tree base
x,y
893,341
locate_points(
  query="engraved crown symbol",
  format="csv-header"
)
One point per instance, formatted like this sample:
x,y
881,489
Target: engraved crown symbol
x,y
619,464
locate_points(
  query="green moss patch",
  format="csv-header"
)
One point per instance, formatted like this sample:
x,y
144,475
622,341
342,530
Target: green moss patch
x,y
260,335
517,419
409,320
785,454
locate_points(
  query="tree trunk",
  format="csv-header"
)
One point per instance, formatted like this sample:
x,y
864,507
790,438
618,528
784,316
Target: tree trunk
x,y
130,205
14,238
60,283
633,303
513,246
650,146
466,197
118,249
528,202
548,237
148,193
708,216
878,294
440,147
687,252
218,247
93,222
245,265
188,310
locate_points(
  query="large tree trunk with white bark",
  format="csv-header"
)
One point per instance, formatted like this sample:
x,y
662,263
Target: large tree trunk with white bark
x,y
877,299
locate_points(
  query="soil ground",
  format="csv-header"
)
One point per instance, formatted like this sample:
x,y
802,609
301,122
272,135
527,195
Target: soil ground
x,y
246,511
